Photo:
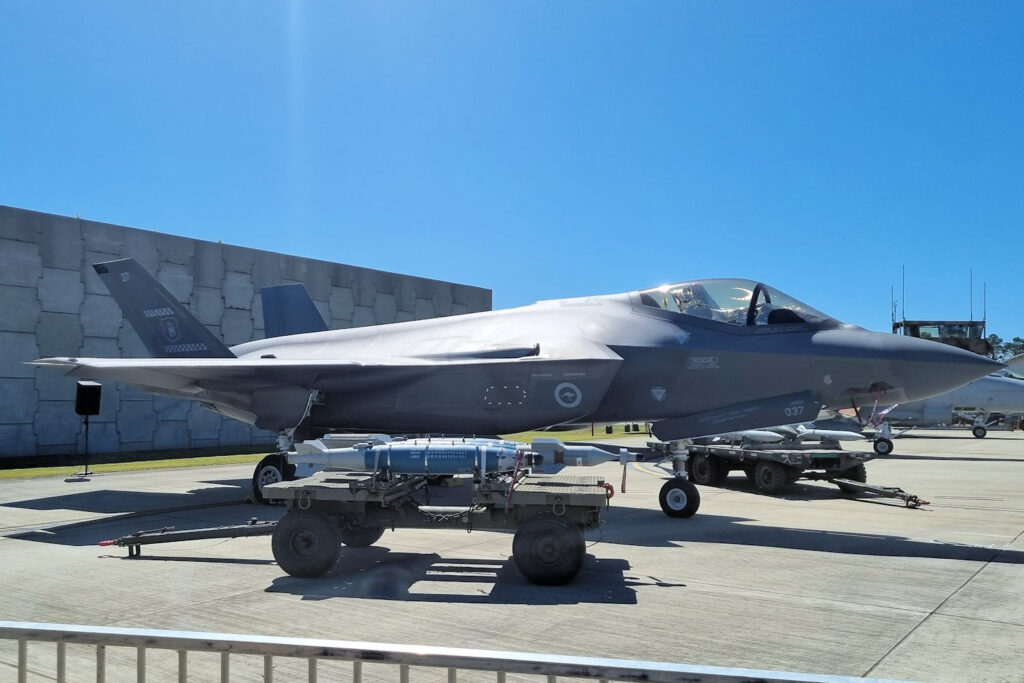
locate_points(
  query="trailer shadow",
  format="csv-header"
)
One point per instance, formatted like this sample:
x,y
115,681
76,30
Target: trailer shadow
x,y
377,573
650,528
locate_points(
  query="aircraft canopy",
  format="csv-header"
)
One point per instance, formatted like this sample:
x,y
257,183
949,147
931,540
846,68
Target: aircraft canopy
x,y
737,302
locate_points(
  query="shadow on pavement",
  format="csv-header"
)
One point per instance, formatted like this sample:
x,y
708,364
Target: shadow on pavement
x,y
379,574
653,529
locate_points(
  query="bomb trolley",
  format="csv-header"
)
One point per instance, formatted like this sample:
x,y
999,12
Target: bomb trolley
x,y
549,514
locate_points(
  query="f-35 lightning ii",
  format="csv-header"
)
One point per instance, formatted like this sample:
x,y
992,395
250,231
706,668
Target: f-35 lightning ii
x,y
696,358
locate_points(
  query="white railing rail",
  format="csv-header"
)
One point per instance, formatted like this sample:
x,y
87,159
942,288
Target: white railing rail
x,y
401,656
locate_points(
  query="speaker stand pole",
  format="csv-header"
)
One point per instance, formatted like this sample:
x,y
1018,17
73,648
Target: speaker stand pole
x,y
86,473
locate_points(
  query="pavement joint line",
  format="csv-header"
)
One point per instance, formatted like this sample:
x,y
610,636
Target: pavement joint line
x,y
938,607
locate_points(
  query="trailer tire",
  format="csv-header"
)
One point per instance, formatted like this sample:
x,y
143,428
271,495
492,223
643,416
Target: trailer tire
x,y
882,446
306,544
708,470
361,536
856,473
979,431
769,476
679,498
549,550
270,470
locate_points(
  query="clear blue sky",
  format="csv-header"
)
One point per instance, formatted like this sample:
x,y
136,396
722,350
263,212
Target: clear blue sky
x,y
546,149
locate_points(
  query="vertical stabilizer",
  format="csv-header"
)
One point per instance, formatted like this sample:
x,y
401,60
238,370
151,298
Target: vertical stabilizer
x,y
165,326
288,309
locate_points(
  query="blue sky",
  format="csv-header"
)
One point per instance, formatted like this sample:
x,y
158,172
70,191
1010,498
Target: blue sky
x,y
546,149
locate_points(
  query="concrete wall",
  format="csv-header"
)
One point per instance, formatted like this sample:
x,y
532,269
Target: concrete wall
x,y
53,304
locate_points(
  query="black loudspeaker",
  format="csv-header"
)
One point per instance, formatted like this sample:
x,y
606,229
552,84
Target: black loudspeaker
x,y
87,398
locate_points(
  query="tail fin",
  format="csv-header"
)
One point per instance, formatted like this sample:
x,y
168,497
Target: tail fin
x,y
165,326
288,309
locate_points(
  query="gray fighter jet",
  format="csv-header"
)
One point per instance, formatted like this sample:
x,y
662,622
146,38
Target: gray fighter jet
x,y
976,402
697,358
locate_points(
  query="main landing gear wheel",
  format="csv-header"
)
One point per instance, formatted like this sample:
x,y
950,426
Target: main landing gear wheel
x,y
679,498
548,550
856,473
882,446
708,470
979,431
770,476
306,544
271,469
361,536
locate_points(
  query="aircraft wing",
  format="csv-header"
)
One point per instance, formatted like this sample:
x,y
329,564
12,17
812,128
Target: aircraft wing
x,y
183,374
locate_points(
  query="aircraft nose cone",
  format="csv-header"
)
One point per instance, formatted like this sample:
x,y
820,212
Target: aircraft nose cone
x,y
929,367
897,369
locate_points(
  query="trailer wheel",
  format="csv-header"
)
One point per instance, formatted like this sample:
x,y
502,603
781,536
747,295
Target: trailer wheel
x,y
856,473
361,536
708,470
548,550
679,498
270,470
979,431
882,446
769,476
306,544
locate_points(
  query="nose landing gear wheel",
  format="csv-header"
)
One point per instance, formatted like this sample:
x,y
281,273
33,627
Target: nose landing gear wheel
x,y
679,498
548,550
979,431
270,470
882,446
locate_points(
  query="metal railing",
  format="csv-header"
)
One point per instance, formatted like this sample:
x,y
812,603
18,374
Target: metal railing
x,y
403,657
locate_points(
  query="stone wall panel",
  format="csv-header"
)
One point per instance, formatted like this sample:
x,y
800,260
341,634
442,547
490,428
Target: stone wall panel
x,y
59,334
141,246
18,224
15,349
61,291
60,243
23,266
137,421
21,309
102,237
208,266
57,424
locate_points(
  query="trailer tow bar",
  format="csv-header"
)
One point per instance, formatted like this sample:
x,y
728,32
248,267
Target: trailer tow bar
x,y
169,534
909,499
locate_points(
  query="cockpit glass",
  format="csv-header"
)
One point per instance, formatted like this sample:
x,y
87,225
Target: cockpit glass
x,y
736,302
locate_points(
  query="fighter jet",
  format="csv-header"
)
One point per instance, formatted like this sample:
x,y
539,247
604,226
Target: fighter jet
x,y
700,357
976,402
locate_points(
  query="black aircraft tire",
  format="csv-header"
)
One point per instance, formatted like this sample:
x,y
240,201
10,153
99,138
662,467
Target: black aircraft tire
x,y
979,432
882,446
856,473
306,544
270,470
769,476
362,536
708,470
549,550
679,498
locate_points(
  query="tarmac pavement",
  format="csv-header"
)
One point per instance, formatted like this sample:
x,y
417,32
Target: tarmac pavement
x,y
808,581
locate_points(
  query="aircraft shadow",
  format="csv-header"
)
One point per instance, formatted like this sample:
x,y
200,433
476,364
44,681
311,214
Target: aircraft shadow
x,y
379,574
942,458
108,501
653,529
